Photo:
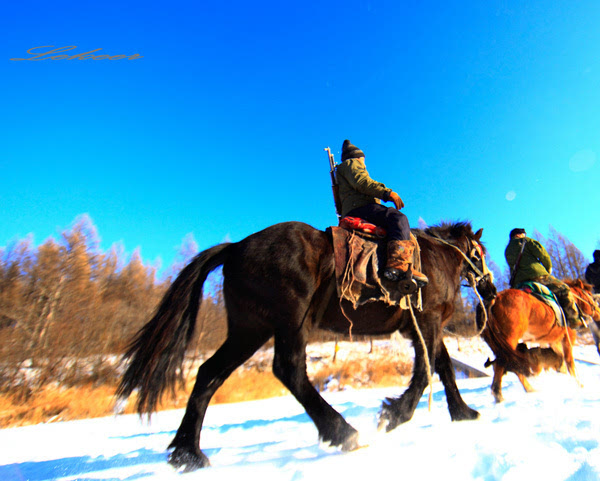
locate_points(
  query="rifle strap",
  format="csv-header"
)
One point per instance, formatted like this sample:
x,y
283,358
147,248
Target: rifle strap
x,y
514,273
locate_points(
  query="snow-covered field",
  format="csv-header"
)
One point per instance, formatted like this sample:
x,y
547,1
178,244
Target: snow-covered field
x,y
552,434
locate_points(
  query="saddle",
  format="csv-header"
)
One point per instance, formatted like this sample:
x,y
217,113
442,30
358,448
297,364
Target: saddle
x,y
360,254
541,292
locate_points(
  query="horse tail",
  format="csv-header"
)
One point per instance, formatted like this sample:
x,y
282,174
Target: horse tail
x,y
515,360
155,355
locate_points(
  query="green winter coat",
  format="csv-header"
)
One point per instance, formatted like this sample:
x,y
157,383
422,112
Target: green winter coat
x,y
356,186
535,261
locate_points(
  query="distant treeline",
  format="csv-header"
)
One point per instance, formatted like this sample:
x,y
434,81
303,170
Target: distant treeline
x,y
67,309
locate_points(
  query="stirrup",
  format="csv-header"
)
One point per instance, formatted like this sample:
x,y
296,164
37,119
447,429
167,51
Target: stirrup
x,y
405,282
391,274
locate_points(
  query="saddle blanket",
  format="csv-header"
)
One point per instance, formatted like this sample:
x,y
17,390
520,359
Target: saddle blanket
x,y
358,261
545,295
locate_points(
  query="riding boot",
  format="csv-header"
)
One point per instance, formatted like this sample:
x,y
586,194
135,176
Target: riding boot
x,y
399,262
565,298
569,307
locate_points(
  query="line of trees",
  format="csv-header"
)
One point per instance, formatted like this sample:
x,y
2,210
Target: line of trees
x,y
67,309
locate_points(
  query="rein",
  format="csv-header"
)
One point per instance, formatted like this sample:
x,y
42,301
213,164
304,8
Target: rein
x,y
593,305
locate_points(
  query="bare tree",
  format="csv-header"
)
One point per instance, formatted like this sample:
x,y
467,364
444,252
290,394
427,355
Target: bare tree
x,y
567,260
185,252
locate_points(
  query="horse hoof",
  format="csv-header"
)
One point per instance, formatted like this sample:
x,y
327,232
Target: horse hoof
x,y
466,415
346,439
182,458
382,424
391,415
351,443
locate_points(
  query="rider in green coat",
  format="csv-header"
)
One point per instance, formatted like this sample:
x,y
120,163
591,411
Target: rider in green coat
x,y
361,197
529,261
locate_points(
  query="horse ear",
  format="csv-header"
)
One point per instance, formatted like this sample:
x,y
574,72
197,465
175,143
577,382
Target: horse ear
x,y
478,234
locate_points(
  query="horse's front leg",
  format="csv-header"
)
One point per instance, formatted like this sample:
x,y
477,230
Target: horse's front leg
x,y
459,410
289,366
395,411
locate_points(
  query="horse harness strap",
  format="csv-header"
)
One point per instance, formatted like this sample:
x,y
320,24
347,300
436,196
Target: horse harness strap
x,y
516,268
473,266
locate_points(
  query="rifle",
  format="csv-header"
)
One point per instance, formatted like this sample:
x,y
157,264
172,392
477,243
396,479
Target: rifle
x,y
334,183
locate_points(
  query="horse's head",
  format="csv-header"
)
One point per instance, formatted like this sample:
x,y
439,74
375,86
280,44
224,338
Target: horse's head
x,y
584,298
461,237
476,270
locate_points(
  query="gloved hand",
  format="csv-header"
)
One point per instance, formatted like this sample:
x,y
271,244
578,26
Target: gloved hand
x,y
395,198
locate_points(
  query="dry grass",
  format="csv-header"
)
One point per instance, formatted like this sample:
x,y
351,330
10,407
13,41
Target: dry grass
x,y
354,368
82,402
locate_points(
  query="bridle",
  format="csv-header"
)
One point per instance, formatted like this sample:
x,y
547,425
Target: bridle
x,y
475,275
591,303
475,250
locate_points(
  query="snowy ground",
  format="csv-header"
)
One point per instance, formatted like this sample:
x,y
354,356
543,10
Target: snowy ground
x,y
552,434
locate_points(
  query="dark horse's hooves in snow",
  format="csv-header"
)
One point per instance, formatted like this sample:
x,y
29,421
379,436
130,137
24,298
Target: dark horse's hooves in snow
x,y
465,414
346,438
181,458
391,415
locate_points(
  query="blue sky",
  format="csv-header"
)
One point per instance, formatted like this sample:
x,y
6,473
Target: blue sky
x,y
481,111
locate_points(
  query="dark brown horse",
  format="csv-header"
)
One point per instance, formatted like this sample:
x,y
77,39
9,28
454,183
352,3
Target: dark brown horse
x,y
280,283
516,317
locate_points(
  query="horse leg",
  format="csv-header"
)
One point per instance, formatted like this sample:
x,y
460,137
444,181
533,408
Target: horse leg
x,y
499,371
525,382
459,410
567,348
395,411
237,348
289,366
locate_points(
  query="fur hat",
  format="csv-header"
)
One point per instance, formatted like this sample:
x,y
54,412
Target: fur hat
x,y
350,151
516,231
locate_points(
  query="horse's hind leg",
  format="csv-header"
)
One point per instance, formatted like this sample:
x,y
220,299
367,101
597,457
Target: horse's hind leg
x,y
525,382
567,348
499,371
459,410
289,366
236,349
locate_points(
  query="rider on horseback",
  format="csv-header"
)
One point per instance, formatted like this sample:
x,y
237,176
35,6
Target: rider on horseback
x,y
592,273
359,195
529,261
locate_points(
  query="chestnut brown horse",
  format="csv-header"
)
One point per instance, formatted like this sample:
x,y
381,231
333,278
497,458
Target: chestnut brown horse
x,y
516,317
280,282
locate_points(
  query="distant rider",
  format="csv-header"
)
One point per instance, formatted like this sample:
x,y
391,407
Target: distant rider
x,y
592,273
360,197
529,261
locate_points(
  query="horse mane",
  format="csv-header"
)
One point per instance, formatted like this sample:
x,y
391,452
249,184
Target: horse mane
x,y
449,230
579,283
